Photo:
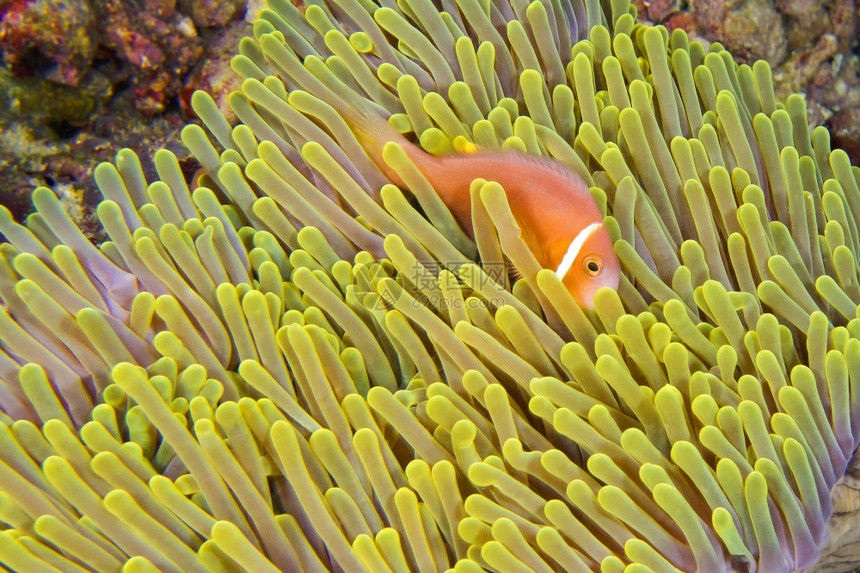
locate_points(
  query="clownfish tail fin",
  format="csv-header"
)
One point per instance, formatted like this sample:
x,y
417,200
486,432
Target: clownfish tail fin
x,y
366,118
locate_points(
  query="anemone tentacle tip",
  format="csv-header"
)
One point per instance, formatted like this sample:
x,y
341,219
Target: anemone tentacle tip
x,y
314,359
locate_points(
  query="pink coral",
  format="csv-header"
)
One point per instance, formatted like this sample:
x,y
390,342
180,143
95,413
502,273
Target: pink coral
x,y
161,42
53,38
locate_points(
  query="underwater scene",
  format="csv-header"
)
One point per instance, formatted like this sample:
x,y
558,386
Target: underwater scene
x,y
429,285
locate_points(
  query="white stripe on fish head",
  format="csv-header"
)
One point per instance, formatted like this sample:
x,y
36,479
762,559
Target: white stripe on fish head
x,y
575,247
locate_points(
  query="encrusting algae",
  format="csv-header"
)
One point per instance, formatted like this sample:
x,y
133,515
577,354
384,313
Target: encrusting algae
x,y
298,366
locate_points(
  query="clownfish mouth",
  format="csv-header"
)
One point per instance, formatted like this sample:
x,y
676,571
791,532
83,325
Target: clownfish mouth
x,y
575,247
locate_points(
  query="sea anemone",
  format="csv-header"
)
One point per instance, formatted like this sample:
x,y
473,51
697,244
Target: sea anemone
x,y
299,366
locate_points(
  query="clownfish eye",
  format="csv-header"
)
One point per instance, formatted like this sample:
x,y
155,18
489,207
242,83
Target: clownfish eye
x,y
593,265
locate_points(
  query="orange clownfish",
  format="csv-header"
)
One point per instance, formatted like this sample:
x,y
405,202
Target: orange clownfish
x,y
559,219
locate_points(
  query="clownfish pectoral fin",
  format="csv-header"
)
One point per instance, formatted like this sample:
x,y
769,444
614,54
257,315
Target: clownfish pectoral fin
x,y
463,145
514,273
528,236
